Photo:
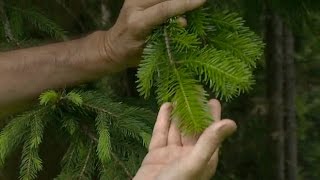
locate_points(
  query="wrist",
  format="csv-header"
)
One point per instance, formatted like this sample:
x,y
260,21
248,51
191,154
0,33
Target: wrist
x,y
109,51
97,48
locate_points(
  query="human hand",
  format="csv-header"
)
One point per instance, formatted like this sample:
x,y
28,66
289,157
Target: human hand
x,y
175,156
124,41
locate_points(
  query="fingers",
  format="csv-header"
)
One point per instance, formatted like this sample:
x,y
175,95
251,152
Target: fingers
x,y
213,163
211,139
161,128
211,168
189,140
167,9
174,137
215,108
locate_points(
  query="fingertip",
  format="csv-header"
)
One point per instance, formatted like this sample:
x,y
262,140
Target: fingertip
x,y
166,106
215,108
161,127
227,127
214,103
202,1
164,113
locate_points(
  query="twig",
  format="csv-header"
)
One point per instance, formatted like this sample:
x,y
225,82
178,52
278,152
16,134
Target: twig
x,y
99,109
168,47
86,161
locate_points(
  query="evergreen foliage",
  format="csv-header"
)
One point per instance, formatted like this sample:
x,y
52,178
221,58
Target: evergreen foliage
x,y
215,49
91,147
19,17
108,139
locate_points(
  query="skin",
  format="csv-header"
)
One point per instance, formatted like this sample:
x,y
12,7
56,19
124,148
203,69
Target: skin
x,y
25,73
175,156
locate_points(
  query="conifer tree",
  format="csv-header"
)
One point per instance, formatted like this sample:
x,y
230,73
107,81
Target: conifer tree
x,y
107,139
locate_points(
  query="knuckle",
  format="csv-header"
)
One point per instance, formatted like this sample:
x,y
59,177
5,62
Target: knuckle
x,y
134,22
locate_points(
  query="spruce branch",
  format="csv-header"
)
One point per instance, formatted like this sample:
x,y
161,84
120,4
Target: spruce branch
x,y
85,164
227,78
31,163
14,133
217,49
104,141
71,159
113,155
190,104
40,21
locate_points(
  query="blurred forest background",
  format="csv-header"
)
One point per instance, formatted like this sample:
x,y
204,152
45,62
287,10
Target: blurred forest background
x,y
278,136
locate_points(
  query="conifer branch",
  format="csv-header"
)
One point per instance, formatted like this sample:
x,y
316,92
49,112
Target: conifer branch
x,y
70,157
86,161
114,156
99,109
226,67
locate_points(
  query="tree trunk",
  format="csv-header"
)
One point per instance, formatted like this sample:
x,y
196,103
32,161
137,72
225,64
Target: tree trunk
x,y
289,105
105,14
274,61
6,23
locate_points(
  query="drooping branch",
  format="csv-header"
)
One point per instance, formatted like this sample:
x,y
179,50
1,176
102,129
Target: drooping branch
x,y
93,137
86,161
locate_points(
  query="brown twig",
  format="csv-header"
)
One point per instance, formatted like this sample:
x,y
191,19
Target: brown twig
x,y
168,47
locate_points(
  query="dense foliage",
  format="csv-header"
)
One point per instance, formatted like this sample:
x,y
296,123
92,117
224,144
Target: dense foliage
x,y
214,48
101,130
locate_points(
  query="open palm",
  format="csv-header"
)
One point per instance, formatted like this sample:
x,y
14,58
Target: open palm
x,y
175,156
